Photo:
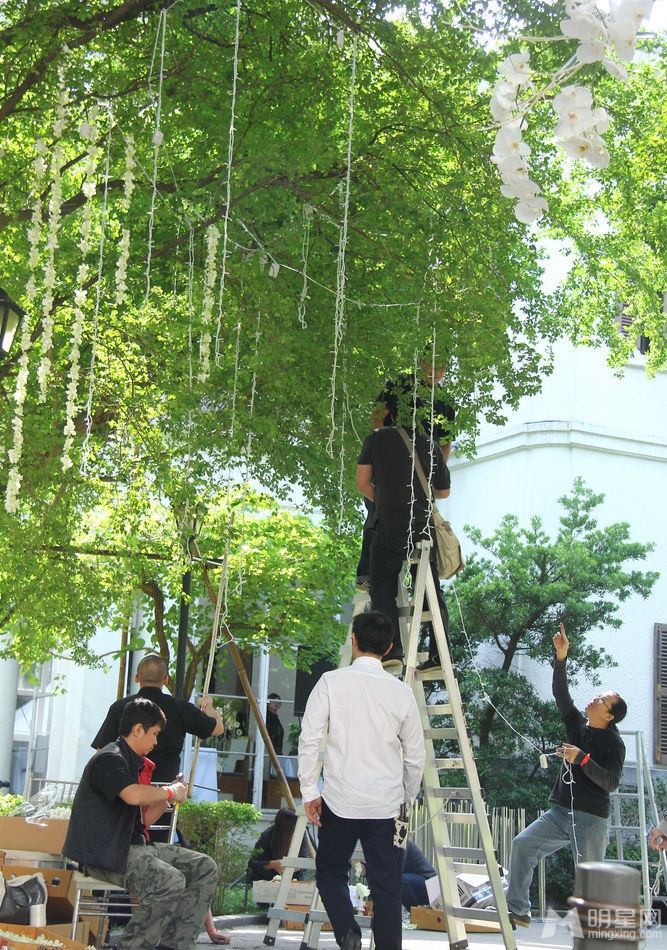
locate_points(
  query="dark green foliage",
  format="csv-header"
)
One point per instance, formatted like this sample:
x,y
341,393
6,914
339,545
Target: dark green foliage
x,y
221,830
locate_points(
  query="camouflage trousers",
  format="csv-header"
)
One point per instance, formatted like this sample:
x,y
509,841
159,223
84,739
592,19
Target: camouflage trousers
x,y
174,886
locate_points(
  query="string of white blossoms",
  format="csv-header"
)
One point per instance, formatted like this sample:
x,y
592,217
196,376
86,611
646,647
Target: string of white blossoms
x,y
55,202
87,131
208,300
34,231
124,244
580,125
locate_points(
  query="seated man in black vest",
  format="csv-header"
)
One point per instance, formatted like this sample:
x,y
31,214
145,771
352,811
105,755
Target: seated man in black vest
x,y
108,836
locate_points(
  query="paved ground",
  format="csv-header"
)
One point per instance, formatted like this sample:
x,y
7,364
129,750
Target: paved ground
x,y
541,935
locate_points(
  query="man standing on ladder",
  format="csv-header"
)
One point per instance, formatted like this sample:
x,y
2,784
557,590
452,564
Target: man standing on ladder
x,y
386,475
410,394
373,766
593,759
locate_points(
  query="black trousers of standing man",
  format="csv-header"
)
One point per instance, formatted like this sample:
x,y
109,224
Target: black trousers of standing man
x,y
337,840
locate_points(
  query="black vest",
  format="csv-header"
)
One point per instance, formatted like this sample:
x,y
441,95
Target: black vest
x,y
100,831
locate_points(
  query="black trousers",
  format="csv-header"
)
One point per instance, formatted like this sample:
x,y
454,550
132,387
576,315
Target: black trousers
x,y
388,552
337,840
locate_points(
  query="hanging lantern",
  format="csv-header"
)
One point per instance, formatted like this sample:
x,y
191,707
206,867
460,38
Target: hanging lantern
x,y
10,317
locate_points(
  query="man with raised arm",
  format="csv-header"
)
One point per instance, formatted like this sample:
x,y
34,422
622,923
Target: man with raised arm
x,y
593,757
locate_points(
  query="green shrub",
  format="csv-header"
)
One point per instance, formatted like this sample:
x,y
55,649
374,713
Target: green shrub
x,y
9,802
220,829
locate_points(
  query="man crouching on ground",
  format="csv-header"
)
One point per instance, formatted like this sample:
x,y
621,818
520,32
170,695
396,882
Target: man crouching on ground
x,y
108,836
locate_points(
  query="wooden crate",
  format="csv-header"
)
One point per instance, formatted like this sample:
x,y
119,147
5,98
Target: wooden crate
x,y
427,918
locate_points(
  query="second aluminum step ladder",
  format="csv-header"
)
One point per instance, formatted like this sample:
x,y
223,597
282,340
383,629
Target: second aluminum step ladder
x,y
450,809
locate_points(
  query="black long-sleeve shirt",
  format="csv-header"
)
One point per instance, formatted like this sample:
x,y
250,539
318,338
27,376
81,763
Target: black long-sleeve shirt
x,y
602,773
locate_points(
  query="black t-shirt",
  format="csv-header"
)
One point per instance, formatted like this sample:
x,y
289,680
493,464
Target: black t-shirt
x,y
388,454
182,717
274,727
398,397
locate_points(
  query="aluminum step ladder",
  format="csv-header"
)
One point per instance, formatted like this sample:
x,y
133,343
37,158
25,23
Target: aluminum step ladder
x,y
456,814
315,916
635,831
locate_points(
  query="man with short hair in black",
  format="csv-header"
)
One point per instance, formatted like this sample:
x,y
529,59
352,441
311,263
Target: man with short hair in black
x,y
183,717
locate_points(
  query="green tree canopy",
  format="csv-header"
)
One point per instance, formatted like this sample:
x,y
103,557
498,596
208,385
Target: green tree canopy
x,y
227,223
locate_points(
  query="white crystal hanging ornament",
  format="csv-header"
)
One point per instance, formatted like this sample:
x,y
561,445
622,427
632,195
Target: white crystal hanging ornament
x,y
158,137
340,38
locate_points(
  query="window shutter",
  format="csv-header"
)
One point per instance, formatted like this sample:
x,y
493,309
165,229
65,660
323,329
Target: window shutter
x,y
660,702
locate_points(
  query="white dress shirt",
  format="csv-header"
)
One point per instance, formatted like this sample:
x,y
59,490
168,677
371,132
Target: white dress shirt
x,y
374,755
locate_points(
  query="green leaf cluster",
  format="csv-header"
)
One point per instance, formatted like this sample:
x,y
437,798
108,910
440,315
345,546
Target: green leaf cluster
x,y
220,830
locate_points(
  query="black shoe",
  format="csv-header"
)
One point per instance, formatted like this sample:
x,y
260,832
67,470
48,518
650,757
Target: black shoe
x,y
363,584
433,663
520,920
392,661
351,941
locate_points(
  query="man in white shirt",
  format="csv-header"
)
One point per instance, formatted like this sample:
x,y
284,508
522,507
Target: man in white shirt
x,y
373,765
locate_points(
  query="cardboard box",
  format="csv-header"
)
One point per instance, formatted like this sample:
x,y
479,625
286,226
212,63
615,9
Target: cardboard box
x,y
300,892
82,931
427,918
35,937
60,889
17,834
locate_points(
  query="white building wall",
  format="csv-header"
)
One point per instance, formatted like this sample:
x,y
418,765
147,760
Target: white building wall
x,y
612,432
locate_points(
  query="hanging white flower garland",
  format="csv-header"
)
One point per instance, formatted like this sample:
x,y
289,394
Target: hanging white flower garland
x,y
124,243
307,214
208,300
341,277
228,184
34,232
580,125
88,131
55,204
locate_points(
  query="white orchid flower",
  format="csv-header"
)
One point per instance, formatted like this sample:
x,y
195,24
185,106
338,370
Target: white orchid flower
x,y
530,210
583,26
623,34
516,68
593,52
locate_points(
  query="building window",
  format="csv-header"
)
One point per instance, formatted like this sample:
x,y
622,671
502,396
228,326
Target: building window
x,y
624,323
660,705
